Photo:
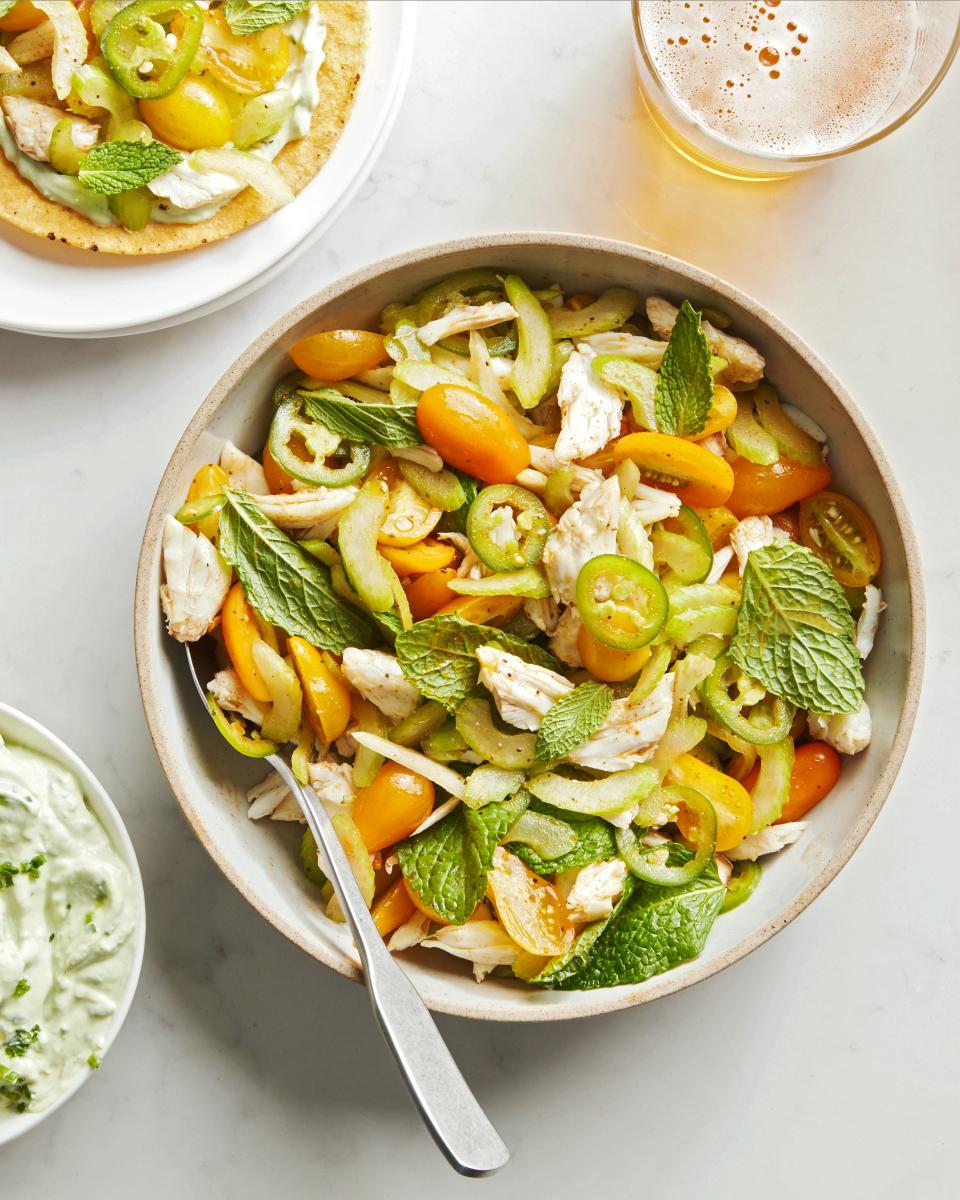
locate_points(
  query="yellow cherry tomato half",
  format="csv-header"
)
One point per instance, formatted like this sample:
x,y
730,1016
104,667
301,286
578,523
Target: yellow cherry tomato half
x,y
699,477
472,433
761,490
193,116
392,909
391,808
731,800
841,533
606,663
419,558
723,412
22,16
241,631
483,610
326,699
531,910
250,65
210,480
278,481
337,354
719,523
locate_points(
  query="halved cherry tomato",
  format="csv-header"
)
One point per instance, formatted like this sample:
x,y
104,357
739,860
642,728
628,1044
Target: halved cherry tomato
x,y
484,610
530,909
789,521
241,631
699,477
337,354
22,16
606,663
816,769
392,909
719,523
191,117
759,491
420,558
723,412
326,700
841,533
409,517
278,481
428,593
472,433
580,300
250,65
210,480
731,800
391,807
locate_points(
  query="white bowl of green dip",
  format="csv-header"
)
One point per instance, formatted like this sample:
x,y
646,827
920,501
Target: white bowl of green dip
x,y
71,923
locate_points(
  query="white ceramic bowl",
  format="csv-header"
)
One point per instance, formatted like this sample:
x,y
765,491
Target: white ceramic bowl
x,y
19,729
209,779
63,292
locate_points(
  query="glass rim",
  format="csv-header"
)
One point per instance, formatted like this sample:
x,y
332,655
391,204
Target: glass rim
x,y
771,157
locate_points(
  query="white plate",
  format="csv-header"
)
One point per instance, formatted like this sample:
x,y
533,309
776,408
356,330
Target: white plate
x,y
62,292
21,730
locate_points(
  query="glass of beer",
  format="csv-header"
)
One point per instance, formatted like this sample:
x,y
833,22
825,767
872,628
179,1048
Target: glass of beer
x,y
759,89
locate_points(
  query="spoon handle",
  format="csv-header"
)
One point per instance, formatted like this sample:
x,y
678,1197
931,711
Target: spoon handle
x,y
448,1108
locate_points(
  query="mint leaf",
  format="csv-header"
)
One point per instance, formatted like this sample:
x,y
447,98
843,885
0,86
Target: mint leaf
x,y
684,386
250,16
595,842
114,167
652,930
376,424
572,719
439,656
794,630
285,584
447,864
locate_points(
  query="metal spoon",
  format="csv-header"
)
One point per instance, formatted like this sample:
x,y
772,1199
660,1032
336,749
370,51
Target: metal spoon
x,y
449,1109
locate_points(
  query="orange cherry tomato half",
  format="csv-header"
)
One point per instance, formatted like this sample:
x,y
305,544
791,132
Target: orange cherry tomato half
x,y
759,491
788,521
472,433
605,662
390,808
417,560
719,523
700,478
326,700
278,481
841,533
22,16
816,769
337,354
392,909
241,631
430,592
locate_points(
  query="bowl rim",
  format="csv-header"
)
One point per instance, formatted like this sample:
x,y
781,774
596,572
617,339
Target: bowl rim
x,y
579,1004
41,740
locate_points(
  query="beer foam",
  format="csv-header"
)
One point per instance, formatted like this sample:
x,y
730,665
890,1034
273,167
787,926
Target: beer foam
x,y
785,77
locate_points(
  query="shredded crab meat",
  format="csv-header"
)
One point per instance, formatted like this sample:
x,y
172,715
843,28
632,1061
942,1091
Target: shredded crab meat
x,y
586,529
744,364
196,582
189,187
522,691
630,733
377,676
463,318
484,943
243,471
721,560
626,345
32,125
303,510
563,643
544,613
410,933
848,733
590,410
653,504
596,889
225,687
546,461
767,841
868,620
754,533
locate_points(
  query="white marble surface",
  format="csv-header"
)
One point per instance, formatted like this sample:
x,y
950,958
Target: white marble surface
x,y
825,1063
